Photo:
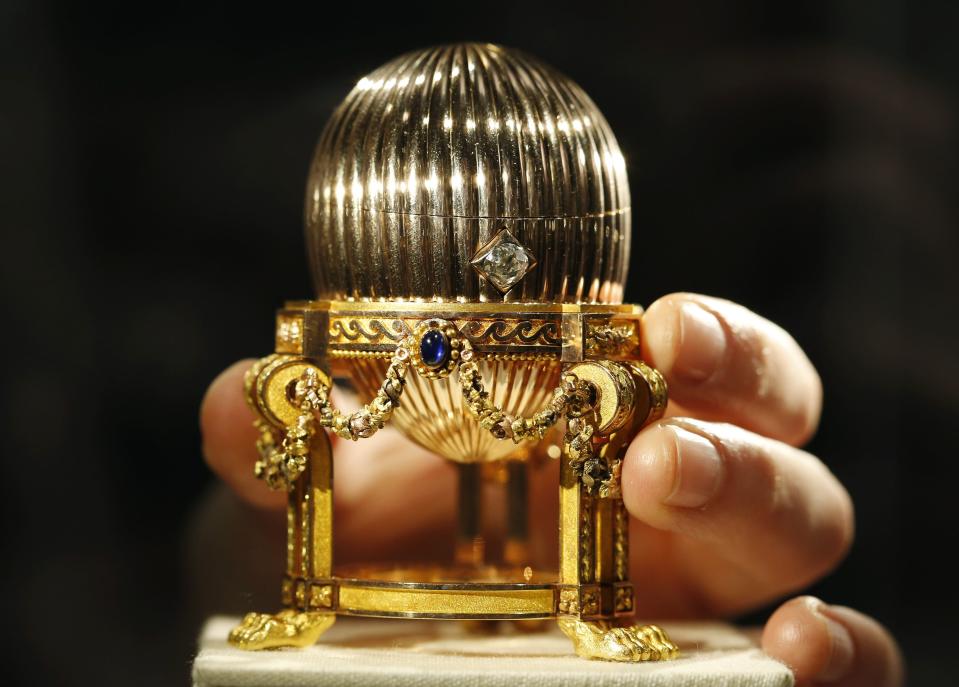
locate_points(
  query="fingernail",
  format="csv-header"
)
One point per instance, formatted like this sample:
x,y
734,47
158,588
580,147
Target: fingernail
x,y
698,470
702,343
842,650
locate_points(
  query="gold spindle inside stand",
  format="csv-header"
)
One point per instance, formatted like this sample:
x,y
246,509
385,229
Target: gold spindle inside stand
x,y
470,544
516,548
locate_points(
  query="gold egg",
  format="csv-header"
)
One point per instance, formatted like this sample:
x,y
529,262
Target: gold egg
x,y
436,152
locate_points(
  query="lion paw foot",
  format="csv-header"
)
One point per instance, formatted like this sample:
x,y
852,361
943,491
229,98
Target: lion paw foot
x,y
631,644
287,628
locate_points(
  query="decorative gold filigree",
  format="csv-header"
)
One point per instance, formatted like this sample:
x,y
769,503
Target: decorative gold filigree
x,y
289,333
590,466
600,640
487,331
579,600
284,452
350,354
368,330
511,332
658,392
623,601
569,600
250,377
620,540
372,417
567,398
589,602
509,357
283,458
586,539
341,354
280,466
321,596
453,338
608,340
598,464
299,594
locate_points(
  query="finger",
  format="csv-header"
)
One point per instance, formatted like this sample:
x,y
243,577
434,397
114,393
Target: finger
x,y
726,363
229,438
832,645
770,516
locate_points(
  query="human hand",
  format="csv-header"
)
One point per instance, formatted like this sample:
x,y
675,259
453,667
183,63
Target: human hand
x,y
727,513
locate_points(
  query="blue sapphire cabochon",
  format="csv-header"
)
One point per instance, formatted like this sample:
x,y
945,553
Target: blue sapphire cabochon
x,y
434,348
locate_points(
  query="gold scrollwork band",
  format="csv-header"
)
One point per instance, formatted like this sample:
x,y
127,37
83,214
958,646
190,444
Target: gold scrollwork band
x,y
375,329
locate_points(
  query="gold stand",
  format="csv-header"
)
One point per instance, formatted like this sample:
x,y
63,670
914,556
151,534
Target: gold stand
x,y
590,595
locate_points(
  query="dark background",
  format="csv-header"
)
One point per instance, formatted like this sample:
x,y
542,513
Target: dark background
x,y
801,161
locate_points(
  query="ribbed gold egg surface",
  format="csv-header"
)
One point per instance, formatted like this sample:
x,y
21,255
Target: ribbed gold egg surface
x,y
432,155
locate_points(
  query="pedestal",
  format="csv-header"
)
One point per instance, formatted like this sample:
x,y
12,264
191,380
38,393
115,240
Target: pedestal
x,y
426,653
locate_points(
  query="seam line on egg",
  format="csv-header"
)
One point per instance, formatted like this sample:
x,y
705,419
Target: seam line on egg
x,y
610,213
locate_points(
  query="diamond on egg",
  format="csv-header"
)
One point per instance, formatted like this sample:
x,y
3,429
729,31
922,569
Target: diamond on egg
x,y
503,261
